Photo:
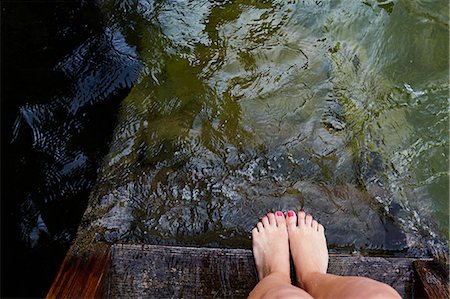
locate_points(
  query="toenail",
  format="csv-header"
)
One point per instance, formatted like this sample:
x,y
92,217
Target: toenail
x,y
264,216
279,214
290,214
301,211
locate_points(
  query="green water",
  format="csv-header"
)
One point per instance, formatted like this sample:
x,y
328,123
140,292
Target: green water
x,y
337,107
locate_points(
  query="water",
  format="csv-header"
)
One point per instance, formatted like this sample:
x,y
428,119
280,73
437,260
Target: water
x,y
236,108
246,107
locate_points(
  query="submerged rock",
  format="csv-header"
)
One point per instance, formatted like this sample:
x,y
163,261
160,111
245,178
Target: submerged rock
x,y
233,120
334,115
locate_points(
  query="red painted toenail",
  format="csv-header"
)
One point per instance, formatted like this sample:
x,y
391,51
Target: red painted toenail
x,y
279,214
270,213
301,211
290,214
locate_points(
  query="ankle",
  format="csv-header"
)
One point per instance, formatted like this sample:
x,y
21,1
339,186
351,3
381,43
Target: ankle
x,y
280,276
309,281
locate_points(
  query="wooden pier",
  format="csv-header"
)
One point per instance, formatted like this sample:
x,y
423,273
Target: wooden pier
x,y
155,271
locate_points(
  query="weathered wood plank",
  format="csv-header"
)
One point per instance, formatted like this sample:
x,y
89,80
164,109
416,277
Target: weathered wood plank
x,y
180,272
82,275
186,272
433,279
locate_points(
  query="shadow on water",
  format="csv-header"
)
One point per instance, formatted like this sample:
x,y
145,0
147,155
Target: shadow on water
x,y
244,107
228,109
62,80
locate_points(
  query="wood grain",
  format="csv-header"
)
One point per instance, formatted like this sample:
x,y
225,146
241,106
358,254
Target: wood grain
x,y
82,275
187,272
155,271
433,280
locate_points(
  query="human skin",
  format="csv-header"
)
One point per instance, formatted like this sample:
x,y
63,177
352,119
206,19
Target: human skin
x,y
275,237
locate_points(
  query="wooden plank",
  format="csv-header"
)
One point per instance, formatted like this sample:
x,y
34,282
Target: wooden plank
x,y
185,272
433,279
180,272
82,275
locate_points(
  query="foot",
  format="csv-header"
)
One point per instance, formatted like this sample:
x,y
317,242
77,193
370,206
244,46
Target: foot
x,y
307,244
271,246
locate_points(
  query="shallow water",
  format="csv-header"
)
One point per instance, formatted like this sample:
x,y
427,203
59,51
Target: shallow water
x,y
245,107
230,109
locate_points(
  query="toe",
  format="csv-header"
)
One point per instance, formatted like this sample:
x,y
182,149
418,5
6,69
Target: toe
x,y
272,220
265,221
254,232
315,224
291,220
320,228
308,220
281,220
301,218
260,226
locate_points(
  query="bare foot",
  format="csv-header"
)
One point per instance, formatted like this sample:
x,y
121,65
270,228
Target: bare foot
x,y
308,245
271,246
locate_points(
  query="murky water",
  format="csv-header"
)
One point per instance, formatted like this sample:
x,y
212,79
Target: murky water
x,y
236,108
243,107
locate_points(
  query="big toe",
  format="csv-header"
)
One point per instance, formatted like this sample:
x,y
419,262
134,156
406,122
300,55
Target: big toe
x,y
291,220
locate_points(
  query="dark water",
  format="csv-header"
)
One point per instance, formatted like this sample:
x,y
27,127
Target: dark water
x,y
187,120
57,121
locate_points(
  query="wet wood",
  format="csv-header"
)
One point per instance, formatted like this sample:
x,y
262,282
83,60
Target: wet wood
x,y
82,275
186,272
433,280
136,271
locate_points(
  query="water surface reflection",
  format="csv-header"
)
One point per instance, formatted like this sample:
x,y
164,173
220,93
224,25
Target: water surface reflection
x,y
228,109
244,107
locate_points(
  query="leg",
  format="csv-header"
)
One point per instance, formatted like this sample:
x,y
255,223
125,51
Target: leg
x,y
310,254
271,252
